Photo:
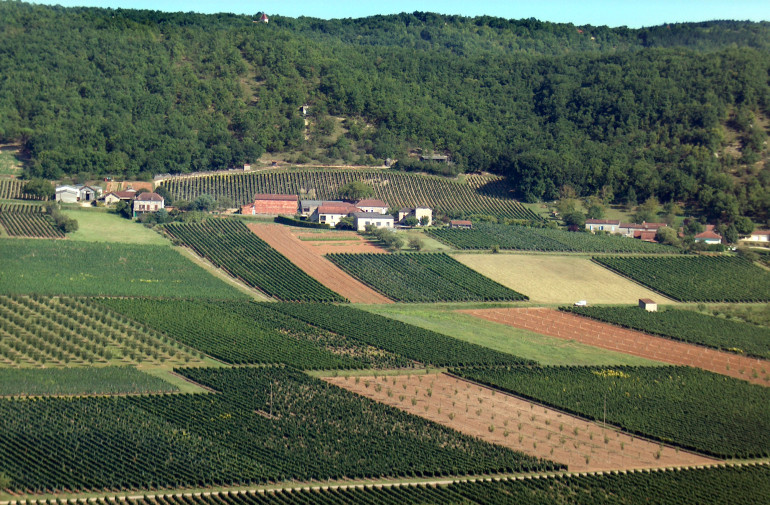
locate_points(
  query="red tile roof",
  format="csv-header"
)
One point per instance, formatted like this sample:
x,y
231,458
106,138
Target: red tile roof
x,y
337,209
274,197
709,234
460,222
371,203
149,197
616,222
123,195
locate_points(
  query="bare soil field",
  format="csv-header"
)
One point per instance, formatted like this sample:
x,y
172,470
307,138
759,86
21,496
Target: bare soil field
x,y
557,279
312,262
507,420
606,336
336,242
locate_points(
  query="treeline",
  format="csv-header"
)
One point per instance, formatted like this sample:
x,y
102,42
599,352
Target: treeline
x,y
675,111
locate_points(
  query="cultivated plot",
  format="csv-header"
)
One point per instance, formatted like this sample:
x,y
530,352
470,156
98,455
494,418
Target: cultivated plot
x,y
556,279
513,422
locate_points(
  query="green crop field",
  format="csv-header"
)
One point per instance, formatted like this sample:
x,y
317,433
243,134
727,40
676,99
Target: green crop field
x,y
487,236
477,195
268,424
84,268
230,245
80,381
699,410
688,326
64,331
696,278
704,486
500,337
394,336
422,278
99,225
249,333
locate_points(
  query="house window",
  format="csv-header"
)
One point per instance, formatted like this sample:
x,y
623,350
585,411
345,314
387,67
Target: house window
x,y
322,219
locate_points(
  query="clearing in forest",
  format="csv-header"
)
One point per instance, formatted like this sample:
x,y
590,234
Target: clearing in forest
x,y
606,336
516,423
556,279
315,265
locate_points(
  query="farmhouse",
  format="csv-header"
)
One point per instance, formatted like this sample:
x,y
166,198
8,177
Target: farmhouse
x,y
78,193
460,224
648,305
272,204
332,213
148,202
762,236
421,213
644,231
609,225
709,236
370,205
362,219
114,197
308,207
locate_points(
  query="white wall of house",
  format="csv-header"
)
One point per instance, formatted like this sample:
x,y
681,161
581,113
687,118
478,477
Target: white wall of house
x,y
362,222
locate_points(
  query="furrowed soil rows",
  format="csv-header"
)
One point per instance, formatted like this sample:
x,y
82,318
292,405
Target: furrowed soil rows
x,y
326,242
516,423
581,329
315,265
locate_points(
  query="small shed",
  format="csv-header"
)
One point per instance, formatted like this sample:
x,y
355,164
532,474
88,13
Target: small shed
x,y
648,305
461,224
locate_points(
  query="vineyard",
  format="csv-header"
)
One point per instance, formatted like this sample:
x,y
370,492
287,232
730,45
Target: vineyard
x,y
394,336
12,189
80,381
683,406
229,244
687,326
248,333
269,424
478,195
486,236
696,278
39,330
704,486
63,267
21,220
422,278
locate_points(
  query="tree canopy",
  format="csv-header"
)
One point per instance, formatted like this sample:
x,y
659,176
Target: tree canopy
x,y
674,112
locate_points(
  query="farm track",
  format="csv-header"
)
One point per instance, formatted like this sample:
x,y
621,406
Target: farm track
x,y
518,424
606,336
315,265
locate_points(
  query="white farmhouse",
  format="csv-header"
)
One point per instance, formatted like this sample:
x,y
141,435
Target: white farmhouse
x,y
362,219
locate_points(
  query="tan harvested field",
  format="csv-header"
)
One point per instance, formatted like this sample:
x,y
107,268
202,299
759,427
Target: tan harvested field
x,y
325,242
557,279
606,336
312,262
516,423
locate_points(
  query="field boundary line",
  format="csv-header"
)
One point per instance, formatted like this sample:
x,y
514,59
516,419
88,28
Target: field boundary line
x,y
619,274
374,484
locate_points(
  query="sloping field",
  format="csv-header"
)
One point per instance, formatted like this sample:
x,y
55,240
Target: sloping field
x,y
606,336
478,195
516,423
556,279
333,241
310,260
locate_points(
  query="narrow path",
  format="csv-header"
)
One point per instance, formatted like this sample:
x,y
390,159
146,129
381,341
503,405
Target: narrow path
x,y
315,265
567,326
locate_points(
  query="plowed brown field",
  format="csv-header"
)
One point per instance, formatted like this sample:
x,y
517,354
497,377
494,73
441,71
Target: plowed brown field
x,y
513,422
343,242
606,336
315,265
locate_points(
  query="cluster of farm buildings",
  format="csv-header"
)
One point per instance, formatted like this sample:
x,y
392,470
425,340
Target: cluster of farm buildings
x,y
331,212
647,231
141,202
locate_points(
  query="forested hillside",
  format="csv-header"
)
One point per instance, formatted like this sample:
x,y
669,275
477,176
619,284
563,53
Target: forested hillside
x,y
677,111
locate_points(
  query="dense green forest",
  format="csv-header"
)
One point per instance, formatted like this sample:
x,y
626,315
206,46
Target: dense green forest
x,y
677,111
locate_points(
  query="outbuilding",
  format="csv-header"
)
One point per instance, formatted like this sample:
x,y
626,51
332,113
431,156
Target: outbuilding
x,y
363,219
648,305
